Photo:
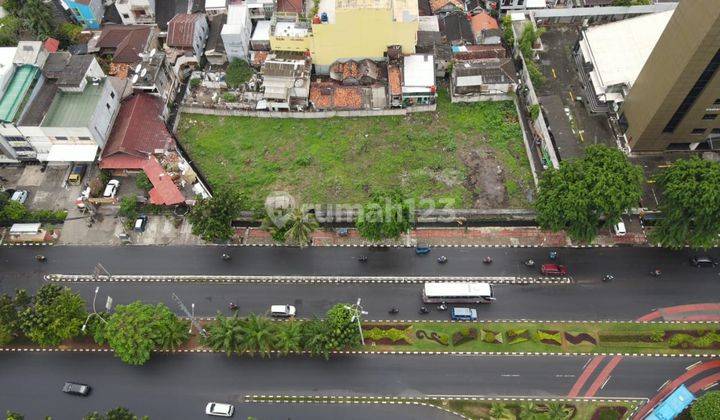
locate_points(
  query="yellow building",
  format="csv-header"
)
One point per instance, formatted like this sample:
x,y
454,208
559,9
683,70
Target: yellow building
x,y
350,29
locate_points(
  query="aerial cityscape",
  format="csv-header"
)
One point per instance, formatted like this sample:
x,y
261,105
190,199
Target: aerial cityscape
x,y
360,209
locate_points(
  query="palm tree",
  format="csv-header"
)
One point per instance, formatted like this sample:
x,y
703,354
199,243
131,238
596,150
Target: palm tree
x,y
498,411
528,411
300,227
173,333
258,335
557,411
225,334
288,338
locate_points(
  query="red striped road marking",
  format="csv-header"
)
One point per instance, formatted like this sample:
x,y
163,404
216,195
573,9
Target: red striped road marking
x,y
585,375
603,376
702,383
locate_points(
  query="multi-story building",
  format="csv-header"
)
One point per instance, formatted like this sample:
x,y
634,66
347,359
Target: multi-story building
x,y
675,101
136,12
236,32
88,13
187,33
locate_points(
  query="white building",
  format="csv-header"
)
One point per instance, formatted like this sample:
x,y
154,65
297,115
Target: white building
x,y
260,40
609,57
237,32
215,7
418,86
188,33
136,12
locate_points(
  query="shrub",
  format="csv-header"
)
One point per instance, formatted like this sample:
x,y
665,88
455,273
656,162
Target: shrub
x,y
128,207
464,335
143,182
238,72
534,111
443,339
491,337
549,337
194,83
515,336
229,97
706,407
657,336
680,341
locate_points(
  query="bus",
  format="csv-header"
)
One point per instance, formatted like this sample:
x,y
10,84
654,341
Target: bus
x,y
457,292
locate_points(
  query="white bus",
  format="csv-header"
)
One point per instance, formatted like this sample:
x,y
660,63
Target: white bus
x,y
457,292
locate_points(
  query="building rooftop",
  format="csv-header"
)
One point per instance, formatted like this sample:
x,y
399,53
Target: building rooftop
x,y
74,109
28,52
124,42
291,6
139,129
483,21
262,31
490,71
6,65
150,69
403,10
290,29
237,19
214,41
215,4
16,91
618,50
456,29
182,28
428,23
419,70
436,5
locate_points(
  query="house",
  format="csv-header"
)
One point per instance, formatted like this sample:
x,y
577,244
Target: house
x,y
155,76
353,73
125,43
485,29
73,109
215,7
260,40
88,13
139,141
483,80
136,12
474,6
291,6
418,80
474,52
187,34
260,9
22,82
456,29
214,48
237,32
446,6
332,96
286,83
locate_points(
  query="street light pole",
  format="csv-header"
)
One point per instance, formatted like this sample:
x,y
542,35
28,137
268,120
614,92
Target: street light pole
x,y
94,312
192,315
358,312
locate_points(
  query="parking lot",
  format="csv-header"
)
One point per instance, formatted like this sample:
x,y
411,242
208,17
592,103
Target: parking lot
x,y
47,189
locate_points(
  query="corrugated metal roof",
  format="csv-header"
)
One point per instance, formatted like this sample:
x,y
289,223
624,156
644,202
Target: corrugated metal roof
x,y
15,93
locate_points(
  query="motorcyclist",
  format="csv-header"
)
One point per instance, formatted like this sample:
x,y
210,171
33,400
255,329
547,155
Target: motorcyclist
x,y
442,259
225,256
362,258
393,310
487,260
40,258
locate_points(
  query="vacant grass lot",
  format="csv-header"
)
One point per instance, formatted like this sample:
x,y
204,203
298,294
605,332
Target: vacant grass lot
x,y
472,154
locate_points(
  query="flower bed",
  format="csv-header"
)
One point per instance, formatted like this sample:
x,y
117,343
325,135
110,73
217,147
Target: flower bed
x,y
579,338
549,337
464,335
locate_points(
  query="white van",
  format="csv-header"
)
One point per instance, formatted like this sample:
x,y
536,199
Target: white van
x,y
282,311
619,229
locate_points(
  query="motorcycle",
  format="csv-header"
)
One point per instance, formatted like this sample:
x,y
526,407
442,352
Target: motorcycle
x,y
487,260
424,310
362,258
393,311
225,257
233,307
529,263
40,258
442,259
608,278
553,255
656,272
442,307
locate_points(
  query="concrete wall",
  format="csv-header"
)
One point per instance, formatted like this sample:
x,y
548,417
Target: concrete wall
x,y
305,115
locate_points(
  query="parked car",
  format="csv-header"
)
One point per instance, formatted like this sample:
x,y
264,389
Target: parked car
x,y
702,261
619,229
111,188
219,409
140,223
20,196
76,173
282,311
422,250
75,388
553,270
463,314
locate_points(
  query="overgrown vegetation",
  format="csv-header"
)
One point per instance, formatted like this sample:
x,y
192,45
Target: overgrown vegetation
x,y
631,2
386,216
706,407
527,40
237,73
211,217
428,156
143,182
33,19
16,212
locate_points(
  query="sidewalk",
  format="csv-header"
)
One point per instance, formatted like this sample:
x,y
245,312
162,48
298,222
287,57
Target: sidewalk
x,y
481,236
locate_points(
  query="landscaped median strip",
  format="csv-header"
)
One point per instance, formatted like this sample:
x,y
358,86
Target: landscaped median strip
x,y
470,407
83,278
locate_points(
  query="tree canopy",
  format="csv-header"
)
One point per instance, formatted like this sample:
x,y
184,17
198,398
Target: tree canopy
x,y
690,204
588,193
238,72
706,407
56,314
135,330
211,218
10,308
386,216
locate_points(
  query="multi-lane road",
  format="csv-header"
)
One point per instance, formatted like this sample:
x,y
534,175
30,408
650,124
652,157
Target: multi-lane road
x,y
177,386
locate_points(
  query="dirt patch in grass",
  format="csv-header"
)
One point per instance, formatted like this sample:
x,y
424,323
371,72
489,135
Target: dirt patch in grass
x,y
485,179
609,413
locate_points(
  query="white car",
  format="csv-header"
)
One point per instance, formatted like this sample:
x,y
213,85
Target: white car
x,y
219,409
283,311
20,196
619,229
111,188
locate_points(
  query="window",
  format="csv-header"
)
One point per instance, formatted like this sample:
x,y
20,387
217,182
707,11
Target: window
x,y
715,131
126,16
107,106
709,116
60,138
84,138
112,95
23,149
698,131
696,90
717,101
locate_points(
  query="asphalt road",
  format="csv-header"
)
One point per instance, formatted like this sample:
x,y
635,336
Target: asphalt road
x,y
178,386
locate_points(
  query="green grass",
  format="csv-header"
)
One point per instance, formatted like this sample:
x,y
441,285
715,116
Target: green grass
x,y
342,160
535,345
480,409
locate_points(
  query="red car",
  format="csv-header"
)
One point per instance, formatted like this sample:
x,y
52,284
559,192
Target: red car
x,y
553,270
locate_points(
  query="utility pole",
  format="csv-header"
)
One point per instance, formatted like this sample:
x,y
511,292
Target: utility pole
x,y
193,321
358,312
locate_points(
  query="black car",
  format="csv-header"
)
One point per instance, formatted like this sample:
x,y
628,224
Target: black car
x,y
698,261
76,389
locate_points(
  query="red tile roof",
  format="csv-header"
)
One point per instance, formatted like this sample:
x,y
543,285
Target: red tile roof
x,y
164,191
395,80
52,45
139,129
294,6
483,21
181,29
329,95
436,5
125,41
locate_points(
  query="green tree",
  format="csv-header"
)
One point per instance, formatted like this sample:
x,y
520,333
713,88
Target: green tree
x,y
529,411
576,197
13,212
498,411
211,217
9,29
56,314
342,327
386,216
690,204
68,34
10,308
11,415
300,228
557,411
225,334
288,337
38,18
143,182
128,207
238,72
137,329
706,407
508,35
120,413
315,338
258,336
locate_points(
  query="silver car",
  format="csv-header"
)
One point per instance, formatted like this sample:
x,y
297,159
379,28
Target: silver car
x,y
219,409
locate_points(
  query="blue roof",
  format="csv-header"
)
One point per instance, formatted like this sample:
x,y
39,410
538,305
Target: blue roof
x,y
672,405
